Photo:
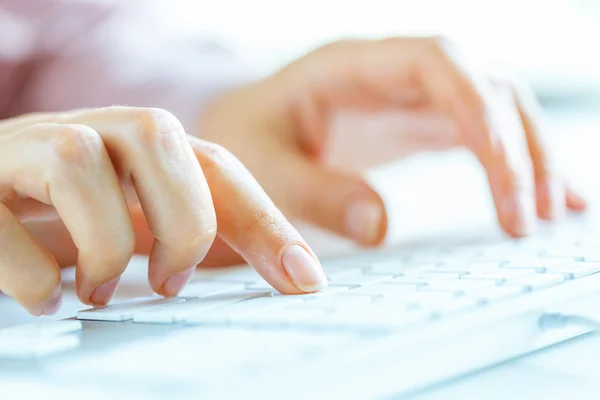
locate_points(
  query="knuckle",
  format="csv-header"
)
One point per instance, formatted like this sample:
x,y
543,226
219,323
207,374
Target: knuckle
x,y
339,44
216,154
438,45
336,47
77,144
265,221
194,243
158,126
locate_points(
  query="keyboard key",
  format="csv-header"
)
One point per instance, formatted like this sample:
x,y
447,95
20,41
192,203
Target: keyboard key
x,y
124,311
245,275
394,268
382,289
536,281
287,316
414,298
368,319
575,253
341,301
425,278
178,312
540,264
209,288
359,280
241,310
46,329
467,267
339,271
29,347
459,286
500,275
329,290
261,286
441,258
577,270
450,307
490,295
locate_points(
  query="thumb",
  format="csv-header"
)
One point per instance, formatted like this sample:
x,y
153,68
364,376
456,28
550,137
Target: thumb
x,y
335,200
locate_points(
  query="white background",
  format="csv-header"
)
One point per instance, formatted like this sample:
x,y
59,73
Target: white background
x,y
552,43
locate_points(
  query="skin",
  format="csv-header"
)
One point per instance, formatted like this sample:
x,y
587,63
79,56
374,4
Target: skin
x,y
91,187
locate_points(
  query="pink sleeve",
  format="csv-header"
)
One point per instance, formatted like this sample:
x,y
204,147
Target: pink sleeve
x,y
93,54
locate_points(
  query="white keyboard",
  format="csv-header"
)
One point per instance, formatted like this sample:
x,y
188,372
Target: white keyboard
x,y
387,294
427,315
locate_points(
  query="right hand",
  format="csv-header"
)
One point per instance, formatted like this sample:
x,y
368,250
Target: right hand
x,y
88,169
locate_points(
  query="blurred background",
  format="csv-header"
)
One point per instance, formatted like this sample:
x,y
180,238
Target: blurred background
x,y
550,43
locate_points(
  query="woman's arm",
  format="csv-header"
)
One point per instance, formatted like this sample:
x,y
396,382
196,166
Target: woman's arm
x,y
90,54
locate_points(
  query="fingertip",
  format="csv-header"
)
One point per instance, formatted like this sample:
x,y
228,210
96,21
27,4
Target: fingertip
x,y
550,199
104,293
53,305
49,307
518,215
366,221
575,202
171,265
303,268
177,282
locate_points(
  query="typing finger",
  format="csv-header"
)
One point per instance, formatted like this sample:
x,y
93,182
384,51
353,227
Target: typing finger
x,y
250,223
150,152
552,193
491,128
28,273
68,166
380,72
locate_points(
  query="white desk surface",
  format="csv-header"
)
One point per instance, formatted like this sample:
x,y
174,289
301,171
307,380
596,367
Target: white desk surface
x,y
424,202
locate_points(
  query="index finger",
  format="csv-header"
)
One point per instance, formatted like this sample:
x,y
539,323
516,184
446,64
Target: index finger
x,y
252,225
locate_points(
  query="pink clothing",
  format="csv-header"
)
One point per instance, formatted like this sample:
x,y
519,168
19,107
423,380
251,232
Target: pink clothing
x,y
66,54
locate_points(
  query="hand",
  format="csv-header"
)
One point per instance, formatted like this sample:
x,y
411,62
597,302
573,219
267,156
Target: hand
x,y
92,169
300,132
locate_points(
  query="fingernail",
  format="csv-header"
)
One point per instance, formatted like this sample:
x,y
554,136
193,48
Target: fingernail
x,y
304,269
175,283
103,293
552,194
520,214
363,221
53,305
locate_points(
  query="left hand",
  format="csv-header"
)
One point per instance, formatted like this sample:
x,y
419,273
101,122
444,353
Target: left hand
x,y
287,128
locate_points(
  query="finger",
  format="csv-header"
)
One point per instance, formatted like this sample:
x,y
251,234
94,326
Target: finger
x,y
508,166
385,69
219,255
68,166
250,223
340,202
550,188
575,202
28,273
54,236
150,151
492,130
